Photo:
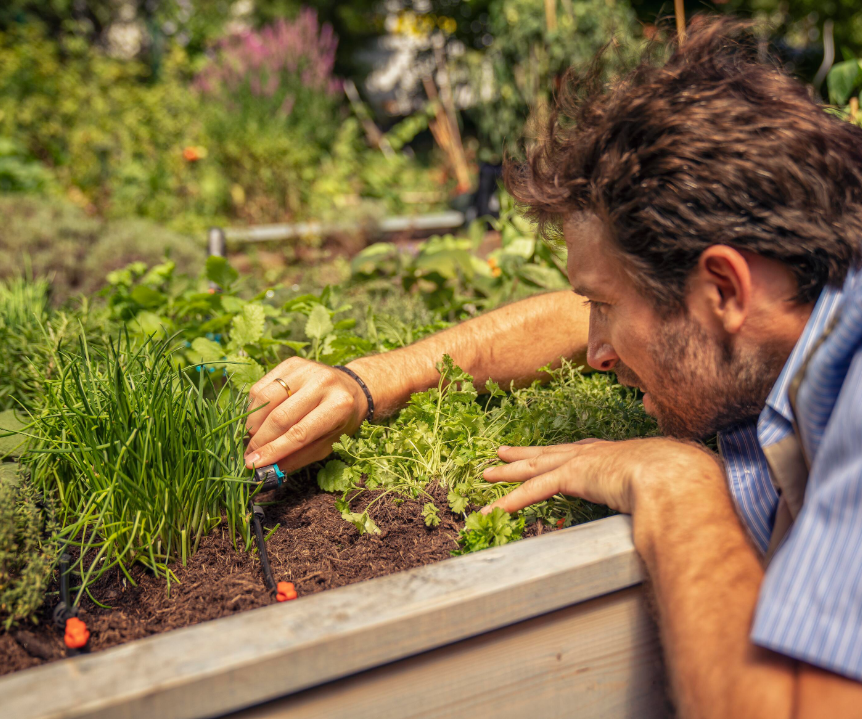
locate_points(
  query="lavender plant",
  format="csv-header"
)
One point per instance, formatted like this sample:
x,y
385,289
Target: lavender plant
x,y
273,111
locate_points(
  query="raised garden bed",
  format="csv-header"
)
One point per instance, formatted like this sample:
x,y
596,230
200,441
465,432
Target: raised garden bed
x,y
552,625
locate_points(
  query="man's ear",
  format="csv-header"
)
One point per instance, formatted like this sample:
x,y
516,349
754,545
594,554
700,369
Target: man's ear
x,y
720,288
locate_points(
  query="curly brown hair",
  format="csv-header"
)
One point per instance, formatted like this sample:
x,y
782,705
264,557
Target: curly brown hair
x,y
715,146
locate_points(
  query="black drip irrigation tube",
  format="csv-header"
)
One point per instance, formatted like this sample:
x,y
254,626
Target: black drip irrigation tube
x,y
269,477
257,518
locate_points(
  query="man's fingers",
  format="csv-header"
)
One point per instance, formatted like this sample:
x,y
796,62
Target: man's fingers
x,y
535,490
524,469
302,434
513,454
284,416
268,393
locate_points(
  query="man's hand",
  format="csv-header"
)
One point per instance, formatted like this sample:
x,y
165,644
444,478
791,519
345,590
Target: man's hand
x,y
324,404
612,473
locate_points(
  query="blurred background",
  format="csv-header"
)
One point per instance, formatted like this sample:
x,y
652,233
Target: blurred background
x,y
129,127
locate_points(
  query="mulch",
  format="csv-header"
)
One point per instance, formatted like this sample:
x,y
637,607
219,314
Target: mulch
x,y
313,547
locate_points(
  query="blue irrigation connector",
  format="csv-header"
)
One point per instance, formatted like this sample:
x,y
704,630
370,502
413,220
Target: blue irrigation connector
x,y
270,476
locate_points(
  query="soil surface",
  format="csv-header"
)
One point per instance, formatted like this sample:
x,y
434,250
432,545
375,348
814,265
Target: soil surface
x,y
313,547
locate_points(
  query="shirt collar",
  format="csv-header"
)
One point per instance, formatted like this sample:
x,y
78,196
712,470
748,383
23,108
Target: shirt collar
x,y
830,298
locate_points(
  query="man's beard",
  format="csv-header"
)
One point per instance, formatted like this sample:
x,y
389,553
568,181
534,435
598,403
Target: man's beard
x,y
701,385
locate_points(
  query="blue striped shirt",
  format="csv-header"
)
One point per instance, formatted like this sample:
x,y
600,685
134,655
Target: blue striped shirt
x,y
810,604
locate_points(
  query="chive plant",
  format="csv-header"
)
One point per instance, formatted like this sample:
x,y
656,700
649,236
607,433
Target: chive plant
x,y
143,458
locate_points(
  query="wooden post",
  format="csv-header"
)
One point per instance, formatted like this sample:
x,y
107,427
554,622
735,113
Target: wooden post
x,y
444,127
551,14
679,12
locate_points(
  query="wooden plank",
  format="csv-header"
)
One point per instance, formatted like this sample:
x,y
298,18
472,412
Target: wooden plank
x,y
597,660
246,659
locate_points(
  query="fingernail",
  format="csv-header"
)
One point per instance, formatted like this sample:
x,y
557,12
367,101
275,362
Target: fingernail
x,y
253,458
486,510
502,447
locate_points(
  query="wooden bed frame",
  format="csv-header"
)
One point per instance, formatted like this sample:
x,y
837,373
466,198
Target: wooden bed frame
x,y
554,626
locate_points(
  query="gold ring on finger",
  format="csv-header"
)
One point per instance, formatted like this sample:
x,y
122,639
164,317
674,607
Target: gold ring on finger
x,y
283,384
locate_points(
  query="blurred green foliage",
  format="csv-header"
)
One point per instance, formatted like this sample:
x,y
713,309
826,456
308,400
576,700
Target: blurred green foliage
x,y
455,280
60,241
521,69
121,142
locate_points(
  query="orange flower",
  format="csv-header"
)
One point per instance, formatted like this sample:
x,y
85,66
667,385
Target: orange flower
x,y
495,268
193,154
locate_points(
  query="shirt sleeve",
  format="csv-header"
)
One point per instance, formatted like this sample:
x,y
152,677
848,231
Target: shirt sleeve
x,y
810,605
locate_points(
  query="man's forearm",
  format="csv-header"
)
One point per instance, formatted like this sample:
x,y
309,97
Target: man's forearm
x,y
508,344
706,579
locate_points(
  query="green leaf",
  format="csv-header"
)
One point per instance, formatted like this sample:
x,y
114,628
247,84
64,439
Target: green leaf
x,y
147,297
148,323
248,327
335,476
523,247
361,521
232,305
205,351
219,271
243,371
159,274
431,514
494,529
547,277
319,323
457,503
841,81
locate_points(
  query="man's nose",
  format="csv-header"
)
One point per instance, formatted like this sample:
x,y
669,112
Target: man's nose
x,y
601,356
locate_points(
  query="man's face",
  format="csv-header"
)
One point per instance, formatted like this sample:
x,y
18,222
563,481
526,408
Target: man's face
x,y
694,382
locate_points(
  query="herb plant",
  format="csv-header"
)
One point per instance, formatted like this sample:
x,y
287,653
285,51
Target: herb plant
x,y
448,435
494,529
28,545
140,461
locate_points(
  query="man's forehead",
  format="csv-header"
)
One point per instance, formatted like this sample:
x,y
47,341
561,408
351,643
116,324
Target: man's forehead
x,y
591,264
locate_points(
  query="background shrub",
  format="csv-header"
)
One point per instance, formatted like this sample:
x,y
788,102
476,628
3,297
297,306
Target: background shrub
x,y
61,242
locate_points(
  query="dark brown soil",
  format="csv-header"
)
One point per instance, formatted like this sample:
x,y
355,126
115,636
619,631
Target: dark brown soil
x,y
314,548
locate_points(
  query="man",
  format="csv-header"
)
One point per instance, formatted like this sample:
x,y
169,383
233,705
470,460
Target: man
x,y
713,215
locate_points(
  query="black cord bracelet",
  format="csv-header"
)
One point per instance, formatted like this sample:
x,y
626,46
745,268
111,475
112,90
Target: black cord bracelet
x,y
364,387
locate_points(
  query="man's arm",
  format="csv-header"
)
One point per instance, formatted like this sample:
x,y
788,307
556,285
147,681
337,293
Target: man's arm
x,y
706,578
703,572
508,344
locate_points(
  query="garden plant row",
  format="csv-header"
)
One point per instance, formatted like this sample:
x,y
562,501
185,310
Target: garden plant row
x,y
124,423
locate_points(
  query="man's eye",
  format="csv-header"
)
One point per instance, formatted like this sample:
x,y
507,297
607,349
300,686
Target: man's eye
x,y
595,305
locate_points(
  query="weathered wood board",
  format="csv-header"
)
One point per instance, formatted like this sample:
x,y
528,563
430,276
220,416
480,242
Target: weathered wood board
x,y
595,660
229,664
